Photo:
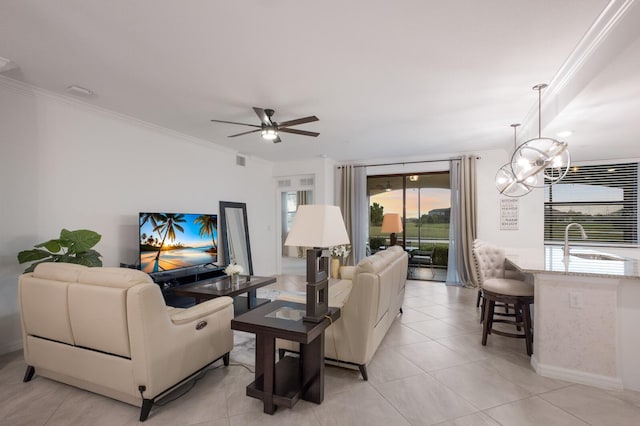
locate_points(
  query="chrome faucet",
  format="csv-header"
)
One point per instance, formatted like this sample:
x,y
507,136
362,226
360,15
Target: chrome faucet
x,y
566,236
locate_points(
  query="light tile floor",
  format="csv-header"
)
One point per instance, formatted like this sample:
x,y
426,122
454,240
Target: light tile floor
x,y
430,370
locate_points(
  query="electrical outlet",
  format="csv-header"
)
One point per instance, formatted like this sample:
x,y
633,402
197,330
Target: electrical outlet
x,y
575,299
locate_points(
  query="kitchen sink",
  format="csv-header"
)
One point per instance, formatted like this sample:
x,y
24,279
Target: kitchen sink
x,y
596,256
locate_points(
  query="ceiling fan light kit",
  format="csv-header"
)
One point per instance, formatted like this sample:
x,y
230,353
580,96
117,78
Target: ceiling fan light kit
x,y
269,129
535,162
269,133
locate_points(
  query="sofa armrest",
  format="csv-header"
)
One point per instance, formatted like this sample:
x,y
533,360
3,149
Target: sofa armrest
x,y
167,345
184,316
347,272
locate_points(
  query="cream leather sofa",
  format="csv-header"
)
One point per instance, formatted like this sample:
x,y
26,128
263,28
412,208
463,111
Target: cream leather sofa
x,y
370,297
108,330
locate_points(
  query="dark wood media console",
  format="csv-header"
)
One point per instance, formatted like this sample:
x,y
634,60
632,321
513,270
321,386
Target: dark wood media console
x,y
171,280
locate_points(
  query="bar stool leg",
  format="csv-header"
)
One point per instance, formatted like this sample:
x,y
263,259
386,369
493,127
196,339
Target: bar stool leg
x,y
488,307
528,331
518,312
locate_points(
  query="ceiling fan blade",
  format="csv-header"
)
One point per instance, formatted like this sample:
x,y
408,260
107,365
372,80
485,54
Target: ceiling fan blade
x,y
277,139
303,120
298,132
233,122
244,133
262,115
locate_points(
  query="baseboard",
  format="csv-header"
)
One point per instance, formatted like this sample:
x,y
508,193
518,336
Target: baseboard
x,y
11,347
575,376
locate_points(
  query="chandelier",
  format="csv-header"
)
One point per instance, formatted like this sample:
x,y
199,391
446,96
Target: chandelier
x,y
534,163
541,154
506,181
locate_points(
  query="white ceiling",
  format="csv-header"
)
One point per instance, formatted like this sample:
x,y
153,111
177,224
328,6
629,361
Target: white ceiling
x,y
386,79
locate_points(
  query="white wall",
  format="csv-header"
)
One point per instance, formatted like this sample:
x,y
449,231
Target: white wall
x,y
66,164
530,232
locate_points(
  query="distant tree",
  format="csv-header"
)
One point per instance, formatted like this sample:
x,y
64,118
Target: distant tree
x,y
377,212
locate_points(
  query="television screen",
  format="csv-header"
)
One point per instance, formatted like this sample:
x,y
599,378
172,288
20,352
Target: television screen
x,y
177,240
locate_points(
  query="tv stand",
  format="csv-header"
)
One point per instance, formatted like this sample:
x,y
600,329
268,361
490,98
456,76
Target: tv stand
x,y
169,280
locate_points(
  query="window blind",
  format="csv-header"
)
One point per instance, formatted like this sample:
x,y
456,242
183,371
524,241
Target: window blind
x,y
602,198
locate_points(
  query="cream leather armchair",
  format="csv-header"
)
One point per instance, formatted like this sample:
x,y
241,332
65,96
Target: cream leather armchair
x,y
108,330
370,297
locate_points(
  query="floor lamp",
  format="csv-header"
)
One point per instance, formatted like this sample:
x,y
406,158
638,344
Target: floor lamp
x,y
391,223
319,226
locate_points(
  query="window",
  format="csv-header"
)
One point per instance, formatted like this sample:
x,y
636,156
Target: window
x,y
602,198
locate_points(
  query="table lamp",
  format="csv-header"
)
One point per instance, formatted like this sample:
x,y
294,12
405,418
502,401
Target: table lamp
x,y
319,226
392,223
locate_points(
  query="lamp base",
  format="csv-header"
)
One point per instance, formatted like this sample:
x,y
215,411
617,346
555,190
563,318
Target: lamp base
x,y
317,286
393,239
317,302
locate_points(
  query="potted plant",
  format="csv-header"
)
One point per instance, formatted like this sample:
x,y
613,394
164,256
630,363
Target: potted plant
x,y
71,247
338,253
233,270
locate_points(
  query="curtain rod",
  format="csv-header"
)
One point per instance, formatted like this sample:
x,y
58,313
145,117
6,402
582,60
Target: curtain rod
x,y
403,163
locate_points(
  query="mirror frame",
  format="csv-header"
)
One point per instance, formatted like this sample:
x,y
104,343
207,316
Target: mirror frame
x,y
223,231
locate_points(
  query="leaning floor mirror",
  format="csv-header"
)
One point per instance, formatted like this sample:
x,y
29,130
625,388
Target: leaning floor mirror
x,y
234,230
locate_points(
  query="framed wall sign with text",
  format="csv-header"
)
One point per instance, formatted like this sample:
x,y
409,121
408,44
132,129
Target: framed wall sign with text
x,y
509,214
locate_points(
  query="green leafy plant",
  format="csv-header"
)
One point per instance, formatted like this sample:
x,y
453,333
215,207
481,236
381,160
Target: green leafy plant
x,y
71,247
441,255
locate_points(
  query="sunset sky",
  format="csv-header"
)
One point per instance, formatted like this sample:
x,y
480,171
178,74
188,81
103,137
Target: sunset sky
x,y
430,198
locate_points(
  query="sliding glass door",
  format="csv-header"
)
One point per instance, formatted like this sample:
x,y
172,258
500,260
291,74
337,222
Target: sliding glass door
x,y
424,203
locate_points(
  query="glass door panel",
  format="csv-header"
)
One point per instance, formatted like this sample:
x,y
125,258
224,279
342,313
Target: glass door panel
x,y
424,203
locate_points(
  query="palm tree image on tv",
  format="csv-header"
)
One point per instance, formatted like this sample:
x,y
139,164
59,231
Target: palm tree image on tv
x,y
208,224
176,240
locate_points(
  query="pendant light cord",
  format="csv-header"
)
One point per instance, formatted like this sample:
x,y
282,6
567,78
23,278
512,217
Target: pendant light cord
x,y
539,88
515,141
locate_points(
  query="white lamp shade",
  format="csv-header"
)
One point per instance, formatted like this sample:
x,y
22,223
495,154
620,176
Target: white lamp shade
x,y
391,223
317,225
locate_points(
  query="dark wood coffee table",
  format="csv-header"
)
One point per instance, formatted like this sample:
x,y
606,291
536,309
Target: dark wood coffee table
x,y
284,383
221,286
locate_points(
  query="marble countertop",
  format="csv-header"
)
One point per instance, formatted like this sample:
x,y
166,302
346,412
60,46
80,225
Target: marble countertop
x,y
583,261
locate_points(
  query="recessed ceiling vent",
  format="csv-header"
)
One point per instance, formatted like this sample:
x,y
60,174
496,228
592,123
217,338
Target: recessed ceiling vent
x,y
7,64
82,91
241,161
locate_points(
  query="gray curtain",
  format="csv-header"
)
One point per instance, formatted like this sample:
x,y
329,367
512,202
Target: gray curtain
x,y
302,197
351,196
462,229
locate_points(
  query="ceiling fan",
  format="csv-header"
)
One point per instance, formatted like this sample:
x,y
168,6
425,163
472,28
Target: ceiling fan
x,y
270,129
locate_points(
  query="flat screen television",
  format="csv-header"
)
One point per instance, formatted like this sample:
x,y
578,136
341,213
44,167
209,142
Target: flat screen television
x,y
177,240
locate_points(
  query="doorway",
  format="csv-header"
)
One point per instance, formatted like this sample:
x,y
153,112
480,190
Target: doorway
x,y
293,258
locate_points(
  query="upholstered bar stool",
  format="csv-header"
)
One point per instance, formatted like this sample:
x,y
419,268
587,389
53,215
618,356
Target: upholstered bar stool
x,y
498,289
510,292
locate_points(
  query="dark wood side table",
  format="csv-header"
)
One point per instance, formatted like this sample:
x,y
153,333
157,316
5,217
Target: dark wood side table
x,y
221,286
285,382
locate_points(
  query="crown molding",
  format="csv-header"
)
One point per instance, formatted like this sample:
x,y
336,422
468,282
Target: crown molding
x,y
614,29
26,88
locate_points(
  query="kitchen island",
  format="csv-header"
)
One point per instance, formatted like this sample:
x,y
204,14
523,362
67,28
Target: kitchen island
x,y
586,313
